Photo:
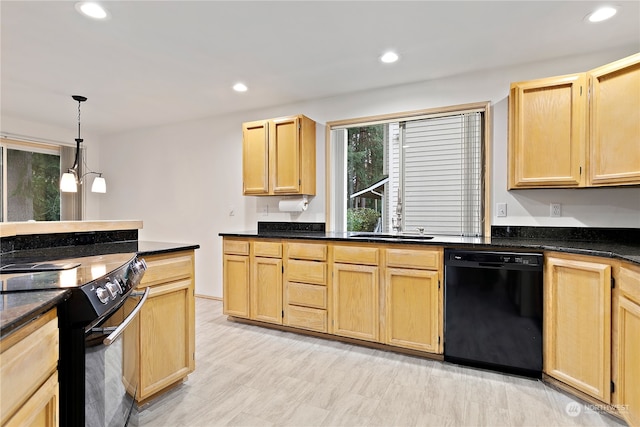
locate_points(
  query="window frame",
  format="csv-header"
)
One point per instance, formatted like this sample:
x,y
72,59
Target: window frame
x,y
71,204
330,218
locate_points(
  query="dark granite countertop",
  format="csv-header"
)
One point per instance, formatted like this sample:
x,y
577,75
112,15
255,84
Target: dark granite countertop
x,y
79,251
18,308
625,251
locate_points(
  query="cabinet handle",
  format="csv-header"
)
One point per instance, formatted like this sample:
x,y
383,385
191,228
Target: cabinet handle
x,y
116,333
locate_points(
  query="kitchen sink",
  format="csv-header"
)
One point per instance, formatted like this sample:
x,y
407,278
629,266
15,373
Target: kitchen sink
x,y
401,236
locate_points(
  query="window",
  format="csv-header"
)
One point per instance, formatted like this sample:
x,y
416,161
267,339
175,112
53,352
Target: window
x,y
30,182
410,171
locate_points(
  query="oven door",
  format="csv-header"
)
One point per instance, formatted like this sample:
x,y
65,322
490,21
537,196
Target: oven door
x,y
110,389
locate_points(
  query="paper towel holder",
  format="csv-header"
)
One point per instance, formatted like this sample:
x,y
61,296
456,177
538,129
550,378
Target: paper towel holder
x,y
294,204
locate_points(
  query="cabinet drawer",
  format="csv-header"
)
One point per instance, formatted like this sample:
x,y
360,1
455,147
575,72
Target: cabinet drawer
x,y
307,295
267,249
307,251
236,247
413,258
166,268
355,255
307,272
27,363
630,283
307,318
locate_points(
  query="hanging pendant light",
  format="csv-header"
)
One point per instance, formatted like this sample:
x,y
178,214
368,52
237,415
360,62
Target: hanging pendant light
x,y
71,179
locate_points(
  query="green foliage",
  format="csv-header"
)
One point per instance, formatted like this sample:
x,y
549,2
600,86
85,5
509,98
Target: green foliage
x,y
365,157
35,180
362,219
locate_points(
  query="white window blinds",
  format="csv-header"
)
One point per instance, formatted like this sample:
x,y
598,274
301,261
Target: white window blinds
x,y
442,175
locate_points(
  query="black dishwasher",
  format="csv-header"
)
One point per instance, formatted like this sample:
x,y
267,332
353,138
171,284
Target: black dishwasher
x,y
493,310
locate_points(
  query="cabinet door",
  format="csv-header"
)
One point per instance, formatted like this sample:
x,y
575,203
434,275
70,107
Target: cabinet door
x,y
356,301
285,155
255,158
266,290
166,334
42,407
628,385
235,274
627,342
577,324
412,309
615,123
547,132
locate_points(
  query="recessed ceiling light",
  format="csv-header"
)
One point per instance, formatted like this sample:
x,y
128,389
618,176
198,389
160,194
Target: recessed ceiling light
x,y
240,87
92,10
602,14
389,57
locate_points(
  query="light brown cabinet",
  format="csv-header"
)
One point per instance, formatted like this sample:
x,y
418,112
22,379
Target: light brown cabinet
x,y
28,374
577,323
547,132
413,299
306,290
160,342
266,282
627,345
579,130
235,278
355,286
614,117
279,156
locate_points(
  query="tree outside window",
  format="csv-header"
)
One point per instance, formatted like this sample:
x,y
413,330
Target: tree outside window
x,y
365,167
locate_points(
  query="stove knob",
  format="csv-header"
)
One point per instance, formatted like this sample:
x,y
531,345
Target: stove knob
x,y
139,266
102,295
113,288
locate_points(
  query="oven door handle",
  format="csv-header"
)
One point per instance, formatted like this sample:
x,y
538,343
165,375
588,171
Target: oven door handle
x,y
116,333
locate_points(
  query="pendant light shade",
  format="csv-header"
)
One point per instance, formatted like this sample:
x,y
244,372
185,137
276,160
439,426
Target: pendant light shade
x,y
99,185
70,179
68,183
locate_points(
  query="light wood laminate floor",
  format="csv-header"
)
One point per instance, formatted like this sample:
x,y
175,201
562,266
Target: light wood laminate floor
x,y
251,376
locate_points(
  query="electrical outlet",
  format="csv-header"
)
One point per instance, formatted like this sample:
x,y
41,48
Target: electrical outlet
x,y
265,210
501,209
555,209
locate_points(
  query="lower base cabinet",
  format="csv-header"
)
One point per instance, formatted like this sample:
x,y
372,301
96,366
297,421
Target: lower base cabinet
x,y
235,278
160,342
28,374
577,323
356,301
627,341
266,290
412,315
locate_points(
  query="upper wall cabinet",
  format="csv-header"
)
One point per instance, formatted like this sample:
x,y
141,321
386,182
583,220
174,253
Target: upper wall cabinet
x,y
615,123
547,132
279,156
579,130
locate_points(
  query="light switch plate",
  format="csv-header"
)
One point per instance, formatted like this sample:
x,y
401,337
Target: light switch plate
x,y
501,209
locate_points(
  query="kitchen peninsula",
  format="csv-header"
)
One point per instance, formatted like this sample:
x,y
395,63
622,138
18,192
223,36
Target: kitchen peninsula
x,y
166,320
341,286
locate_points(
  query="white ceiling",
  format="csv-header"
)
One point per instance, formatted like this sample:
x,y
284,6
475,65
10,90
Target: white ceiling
x,y
156,62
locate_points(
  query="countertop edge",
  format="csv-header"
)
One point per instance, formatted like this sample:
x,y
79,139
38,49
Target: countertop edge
x,y
57,297
10,229
458,242
169,248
